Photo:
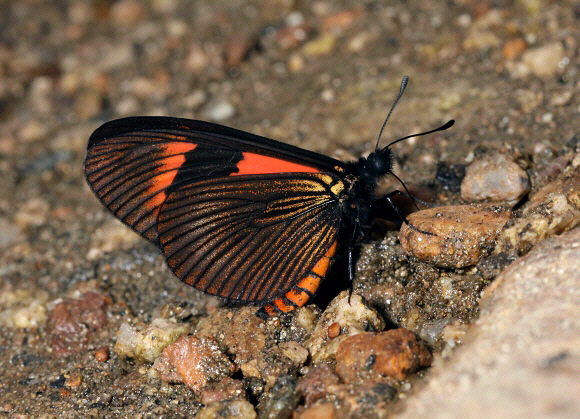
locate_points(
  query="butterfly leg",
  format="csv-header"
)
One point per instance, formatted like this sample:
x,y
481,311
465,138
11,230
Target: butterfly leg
x,y
401,217
351,248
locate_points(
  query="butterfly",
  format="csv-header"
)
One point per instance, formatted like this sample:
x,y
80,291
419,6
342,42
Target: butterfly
x,y
236,215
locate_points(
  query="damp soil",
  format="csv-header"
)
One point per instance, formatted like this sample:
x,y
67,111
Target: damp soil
x,y
319,75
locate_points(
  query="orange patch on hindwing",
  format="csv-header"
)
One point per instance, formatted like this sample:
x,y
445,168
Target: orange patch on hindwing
x,y
305,288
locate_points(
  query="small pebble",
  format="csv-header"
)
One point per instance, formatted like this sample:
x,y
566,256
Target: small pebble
x,y
11,233
197,60
193,362
561,98
147,344
358,42
316,383
74,379
319,411
543,61
340,20
514,48
353,314
73,322
236,49
122,55
283,399
554,215
496,178
295,63
127,12
231,409
334,330
102,354
323,45
243,334
226,389
294,351
376,357
32,131
194,99
219,110
462,235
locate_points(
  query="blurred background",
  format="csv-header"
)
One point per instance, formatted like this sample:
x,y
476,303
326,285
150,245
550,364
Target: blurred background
x,y
318,74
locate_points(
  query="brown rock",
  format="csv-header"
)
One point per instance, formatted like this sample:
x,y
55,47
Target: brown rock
x,y
316,383
513,48
226,389
334,330
281,400
543,61
363,400
320,411
237,49
552,210
353,314
294,351
290,36
496,178
72,323
379,357
552,217
463,234
232,409
127,12
194,362
145,344
74,379
277,361
567,184
241,332
102,354
340,20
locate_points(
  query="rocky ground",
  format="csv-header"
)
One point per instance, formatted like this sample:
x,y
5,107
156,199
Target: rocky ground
x,y
480,320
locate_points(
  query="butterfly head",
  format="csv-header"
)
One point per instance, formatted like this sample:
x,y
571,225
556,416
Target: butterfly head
x,y
380,162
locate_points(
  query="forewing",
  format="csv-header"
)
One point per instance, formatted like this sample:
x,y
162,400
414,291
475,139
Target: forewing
x,y
249,238
133,163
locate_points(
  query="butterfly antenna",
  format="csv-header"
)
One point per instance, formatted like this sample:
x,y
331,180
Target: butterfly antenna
x,y
443,127
404,83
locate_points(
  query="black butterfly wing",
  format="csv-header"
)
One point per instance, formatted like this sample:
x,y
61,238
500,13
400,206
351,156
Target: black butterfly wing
x,y
249,238
132,163
236,215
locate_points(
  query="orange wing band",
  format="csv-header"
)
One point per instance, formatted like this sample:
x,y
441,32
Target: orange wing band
x,y
304,289
257,164
167,172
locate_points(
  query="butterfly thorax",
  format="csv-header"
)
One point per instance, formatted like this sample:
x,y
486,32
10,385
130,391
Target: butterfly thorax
x,y
361,183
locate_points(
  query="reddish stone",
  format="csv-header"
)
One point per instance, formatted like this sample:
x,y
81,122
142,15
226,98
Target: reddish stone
x,y
226,389
73,322
193,362
462,235
102,354
74,379
378,357
513,48
334,330
316,383
340,20
320,411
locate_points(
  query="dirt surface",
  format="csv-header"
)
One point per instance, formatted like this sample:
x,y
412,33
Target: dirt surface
x,y
320,75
